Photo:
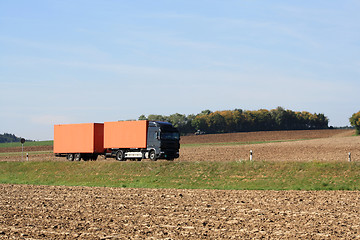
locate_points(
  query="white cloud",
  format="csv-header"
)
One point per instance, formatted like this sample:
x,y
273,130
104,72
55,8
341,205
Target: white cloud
x,y
51,119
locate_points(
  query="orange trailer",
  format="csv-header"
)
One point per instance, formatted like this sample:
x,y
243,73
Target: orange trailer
x,y
125,134
78,141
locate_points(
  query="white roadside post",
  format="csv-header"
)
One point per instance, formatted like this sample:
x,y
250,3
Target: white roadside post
x,y
349,156
27,156
251,157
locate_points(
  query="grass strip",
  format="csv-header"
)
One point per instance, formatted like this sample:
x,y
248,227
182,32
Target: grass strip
x,y
187,175
27,144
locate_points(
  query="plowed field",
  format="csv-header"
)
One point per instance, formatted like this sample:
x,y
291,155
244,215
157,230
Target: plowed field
x,y
325,149
49,212
56,212
266,136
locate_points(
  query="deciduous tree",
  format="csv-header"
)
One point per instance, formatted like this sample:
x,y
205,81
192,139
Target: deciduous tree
x,y
355,122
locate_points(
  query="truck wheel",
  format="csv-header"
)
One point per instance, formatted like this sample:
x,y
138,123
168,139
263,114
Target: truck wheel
x,y
77,157
94,157
152,155
70,157
120,155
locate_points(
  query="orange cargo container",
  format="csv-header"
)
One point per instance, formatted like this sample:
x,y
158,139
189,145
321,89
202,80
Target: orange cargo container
x,y
125,134
79,138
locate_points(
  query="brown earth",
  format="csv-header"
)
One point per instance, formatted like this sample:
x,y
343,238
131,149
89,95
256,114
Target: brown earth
x,y
320,145
265,136
326,149
26,149
53,212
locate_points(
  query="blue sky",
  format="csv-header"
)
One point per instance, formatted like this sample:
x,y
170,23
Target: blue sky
x,y
94,61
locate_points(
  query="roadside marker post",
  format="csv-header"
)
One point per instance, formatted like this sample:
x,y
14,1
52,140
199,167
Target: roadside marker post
x,y
22,140
349,156
251,155
27,156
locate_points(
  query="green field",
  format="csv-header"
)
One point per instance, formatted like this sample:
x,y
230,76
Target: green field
x,y
187,175
27,144
24,153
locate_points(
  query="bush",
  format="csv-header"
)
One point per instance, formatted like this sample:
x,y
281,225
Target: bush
x,y
355,122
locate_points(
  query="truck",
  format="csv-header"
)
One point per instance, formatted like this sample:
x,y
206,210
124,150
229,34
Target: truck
x,y
120,140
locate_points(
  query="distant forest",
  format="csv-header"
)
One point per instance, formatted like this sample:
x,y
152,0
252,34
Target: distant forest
x,y
7,137
239,120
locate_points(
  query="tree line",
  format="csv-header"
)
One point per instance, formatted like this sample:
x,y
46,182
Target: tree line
x,y
239,120
7,137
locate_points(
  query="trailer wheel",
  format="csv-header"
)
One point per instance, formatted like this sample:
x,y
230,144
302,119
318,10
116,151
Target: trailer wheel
x,y
77,157
152,155
94,157
120,155
70,157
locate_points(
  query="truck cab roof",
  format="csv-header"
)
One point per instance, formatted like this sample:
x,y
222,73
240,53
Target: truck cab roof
x,y
166,126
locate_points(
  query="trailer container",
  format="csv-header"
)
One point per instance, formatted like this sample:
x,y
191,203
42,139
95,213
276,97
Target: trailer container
x,y
125,134
76,141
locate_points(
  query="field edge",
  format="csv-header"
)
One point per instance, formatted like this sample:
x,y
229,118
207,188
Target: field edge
x,y
236,175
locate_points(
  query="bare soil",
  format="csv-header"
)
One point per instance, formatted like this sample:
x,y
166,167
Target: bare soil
x,y
265,136
57,212
26,149
325,149
53,212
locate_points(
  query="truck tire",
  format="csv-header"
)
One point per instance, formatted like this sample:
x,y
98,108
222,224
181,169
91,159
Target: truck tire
x,y
120,155
70,157
77,157
152,155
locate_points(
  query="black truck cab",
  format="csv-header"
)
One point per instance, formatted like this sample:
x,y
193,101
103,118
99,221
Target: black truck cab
x,y
163,141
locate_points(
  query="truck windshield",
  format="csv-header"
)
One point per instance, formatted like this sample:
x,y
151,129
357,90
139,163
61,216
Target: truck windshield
x,y
170,135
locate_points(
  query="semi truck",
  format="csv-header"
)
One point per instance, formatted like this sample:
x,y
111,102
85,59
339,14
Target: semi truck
x,y
120,140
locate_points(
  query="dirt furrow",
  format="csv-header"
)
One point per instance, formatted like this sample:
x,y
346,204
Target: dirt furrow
x,y
109,213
